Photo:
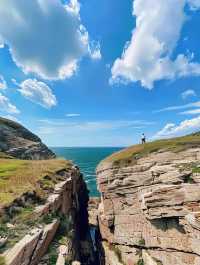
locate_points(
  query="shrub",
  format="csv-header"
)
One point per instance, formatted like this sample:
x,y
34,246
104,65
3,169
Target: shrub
x,y
141,242
140,262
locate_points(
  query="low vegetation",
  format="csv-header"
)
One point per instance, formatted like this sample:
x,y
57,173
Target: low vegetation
x,y
117,252
20,176
2,260
141,242
64,236
175,144
26,220
140,262
4,155
196,169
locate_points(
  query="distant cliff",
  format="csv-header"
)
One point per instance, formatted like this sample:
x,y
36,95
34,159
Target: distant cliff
x,y
150,204
18,142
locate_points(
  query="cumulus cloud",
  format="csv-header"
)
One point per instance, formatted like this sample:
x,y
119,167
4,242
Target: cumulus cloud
x,y
3,84
44,37
188,93
7,106
147,57
185,127
38,92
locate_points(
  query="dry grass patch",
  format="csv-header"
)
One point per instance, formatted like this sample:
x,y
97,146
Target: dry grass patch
x,y
4,155
20,176
174,144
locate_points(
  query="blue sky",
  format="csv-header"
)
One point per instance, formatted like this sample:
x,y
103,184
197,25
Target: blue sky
x,y
100,73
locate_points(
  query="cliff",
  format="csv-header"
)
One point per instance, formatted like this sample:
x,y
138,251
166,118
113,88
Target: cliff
x,y
18,142
150,204
43,217
43,204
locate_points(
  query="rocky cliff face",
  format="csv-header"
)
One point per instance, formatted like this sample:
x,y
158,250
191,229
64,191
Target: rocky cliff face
x,y
18,142
150,208
51,231
43,204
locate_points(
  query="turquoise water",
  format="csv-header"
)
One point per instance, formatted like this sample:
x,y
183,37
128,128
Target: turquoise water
x,y
87,158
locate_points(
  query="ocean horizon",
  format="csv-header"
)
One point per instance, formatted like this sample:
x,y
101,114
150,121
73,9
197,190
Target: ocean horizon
x,y
87,159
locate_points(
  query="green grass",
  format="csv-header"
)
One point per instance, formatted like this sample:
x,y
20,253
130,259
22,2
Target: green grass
x,y
20,176
2,260
175,144
4,231
23,222
53,256
196,170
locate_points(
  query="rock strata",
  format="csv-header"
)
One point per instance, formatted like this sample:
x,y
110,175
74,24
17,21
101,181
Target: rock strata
x,y
66,210
150,210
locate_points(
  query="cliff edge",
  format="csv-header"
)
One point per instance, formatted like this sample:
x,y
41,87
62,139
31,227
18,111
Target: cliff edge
x,y
18,142
150,203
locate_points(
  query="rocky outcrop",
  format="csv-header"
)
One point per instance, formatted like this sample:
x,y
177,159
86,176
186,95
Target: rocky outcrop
x,y
150,210
63,213
18,142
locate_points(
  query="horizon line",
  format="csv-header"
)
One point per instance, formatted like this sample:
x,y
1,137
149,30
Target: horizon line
x,y
107,146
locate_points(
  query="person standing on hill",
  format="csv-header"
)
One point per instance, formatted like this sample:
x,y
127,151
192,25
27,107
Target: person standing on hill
x,y
143,139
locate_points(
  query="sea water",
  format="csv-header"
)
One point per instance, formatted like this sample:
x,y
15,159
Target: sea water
x,y
87,158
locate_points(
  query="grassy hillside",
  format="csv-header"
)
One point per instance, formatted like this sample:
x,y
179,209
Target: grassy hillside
x,y
20,176
175,144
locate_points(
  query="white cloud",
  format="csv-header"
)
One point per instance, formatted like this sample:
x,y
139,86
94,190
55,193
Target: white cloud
x,y
44,37
3,84
191,112
188,93
194,4
147,57
72,115
56,125
73,7
10,117
180,107
95,50
75,133
185,127
7,106
38,92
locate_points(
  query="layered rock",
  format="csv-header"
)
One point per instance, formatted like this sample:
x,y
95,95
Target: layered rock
x,y
18,142
150,210
65,210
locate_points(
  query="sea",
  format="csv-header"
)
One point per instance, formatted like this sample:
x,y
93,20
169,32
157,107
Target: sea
x,y
87,159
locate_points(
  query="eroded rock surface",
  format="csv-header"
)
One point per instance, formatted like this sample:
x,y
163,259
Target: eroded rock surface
x,y
17,141
66,210
150,211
